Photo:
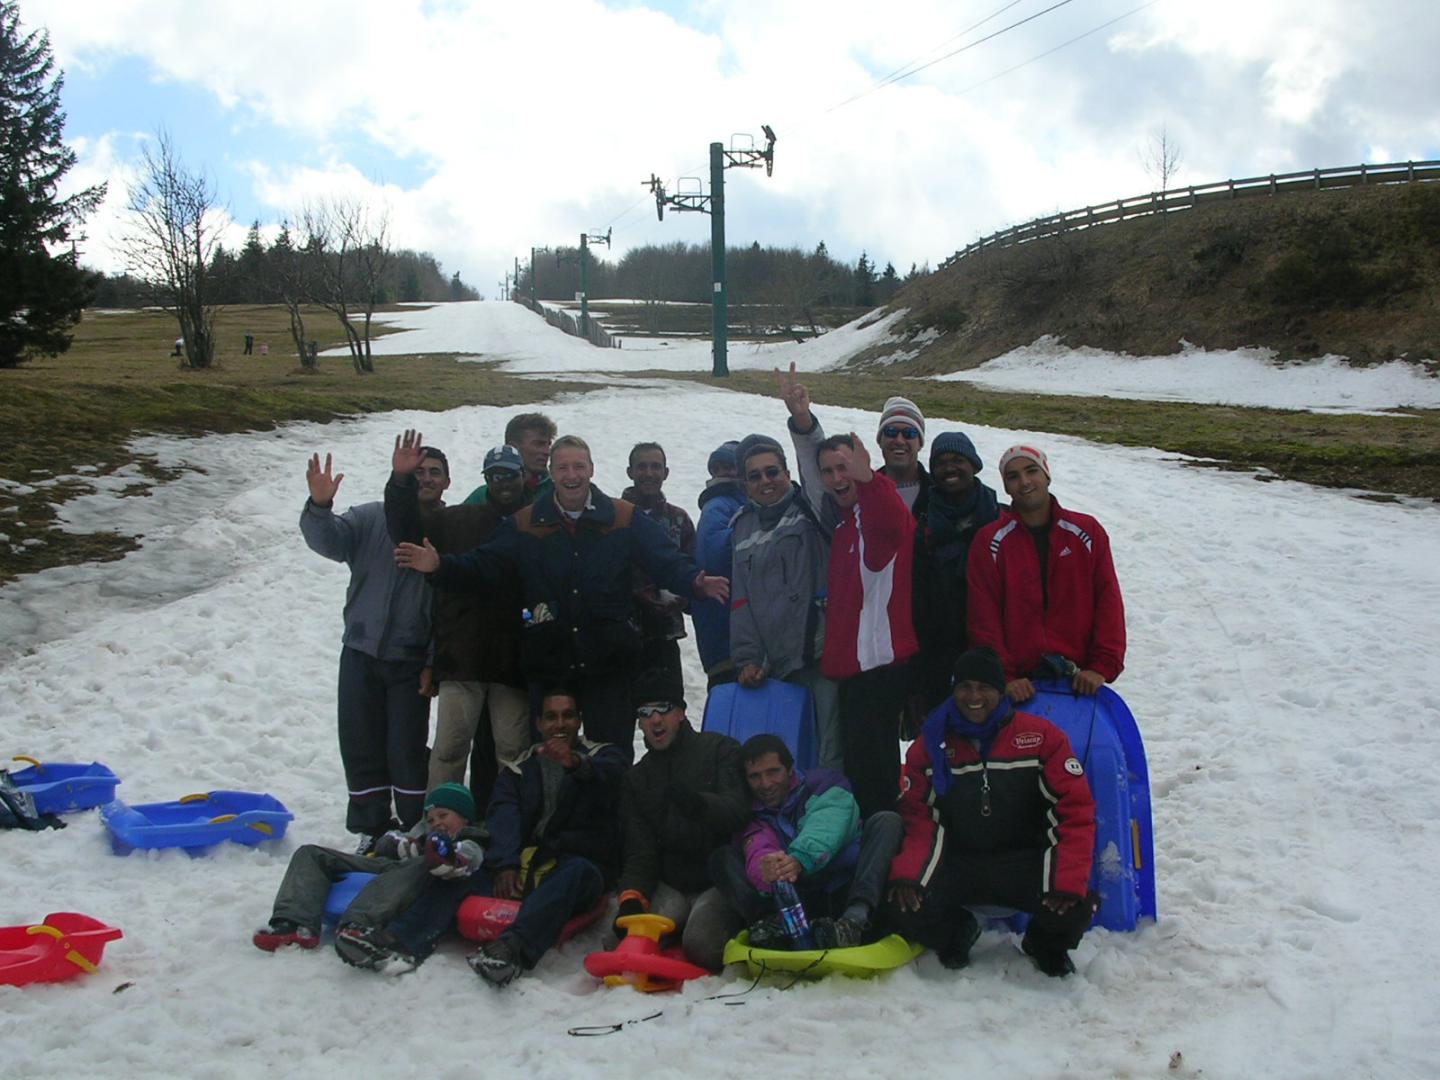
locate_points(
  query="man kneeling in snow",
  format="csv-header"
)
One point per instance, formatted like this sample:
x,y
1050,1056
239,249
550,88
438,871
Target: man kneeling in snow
x,y
554,846
445,845
805,829
997,813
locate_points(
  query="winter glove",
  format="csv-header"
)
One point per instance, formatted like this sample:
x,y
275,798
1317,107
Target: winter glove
x,y
688,801
404,846
633,904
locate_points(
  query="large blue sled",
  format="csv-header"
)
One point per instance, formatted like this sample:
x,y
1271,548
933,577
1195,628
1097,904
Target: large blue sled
x,y
1104,736
773,708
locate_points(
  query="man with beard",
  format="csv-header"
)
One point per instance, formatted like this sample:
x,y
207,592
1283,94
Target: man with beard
x,y
1042,585
476,637
959,505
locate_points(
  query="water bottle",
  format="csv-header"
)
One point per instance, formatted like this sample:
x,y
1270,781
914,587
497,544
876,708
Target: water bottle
x,y
792,914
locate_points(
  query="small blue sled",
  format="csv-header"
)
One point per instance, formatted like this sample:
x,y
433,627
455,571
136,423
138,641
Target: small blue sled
x,y
62,787
1104,736
343,893
773,708
196,821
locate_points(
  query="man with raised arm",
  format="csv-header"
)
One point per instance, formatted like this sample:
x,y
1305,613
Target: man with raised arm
x,y
384,715
531,434
476,637
573,552
1042,587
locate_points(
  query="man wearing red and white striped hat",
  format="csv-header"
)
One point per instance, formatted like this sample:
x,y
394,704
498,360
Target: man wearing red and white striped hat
x,y
1042,587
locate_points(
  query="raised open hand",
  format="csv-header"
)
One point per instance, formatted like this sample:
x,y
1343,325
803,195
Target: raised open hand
x,y
415,557
323,485
409,452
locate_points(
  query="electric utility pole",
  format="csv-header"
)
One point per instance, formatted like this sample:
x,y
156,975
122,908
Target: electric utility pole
x,y
743,157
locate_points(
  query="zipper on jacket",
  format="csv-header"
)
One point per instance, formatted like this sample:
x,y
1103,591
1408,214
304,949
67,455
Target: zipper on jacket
x,y
984,789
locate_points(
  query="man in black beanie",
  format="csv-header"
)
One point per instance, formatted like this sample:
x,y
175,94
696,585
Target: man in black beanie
x,y
684,798
997,812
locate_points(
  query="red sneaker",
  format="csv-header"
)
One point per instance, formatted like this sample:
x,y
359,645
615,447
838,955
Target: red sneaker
x,y
282,932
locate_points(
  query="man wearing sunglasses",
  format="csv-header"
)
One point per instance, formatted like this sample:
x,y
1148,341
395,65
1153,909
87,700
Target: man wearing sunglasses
x,y
781,556
684,798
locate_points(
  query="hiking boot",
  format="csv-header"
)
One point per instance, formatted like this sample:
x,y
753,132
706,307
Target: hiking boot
x,y
769,933
281,932
373,950
1051,960
956,955
497,962
367,842
841,933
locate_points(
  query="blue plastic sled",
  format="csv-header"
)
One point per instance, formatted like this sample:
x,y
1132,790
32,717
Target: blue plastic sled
x,y
196,821
1104,736
63,787
774,708
343,893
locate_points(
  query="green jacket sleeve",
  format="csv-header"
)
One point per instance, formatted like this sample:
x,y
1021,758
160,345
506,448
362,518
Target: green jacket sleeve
x,y
830,821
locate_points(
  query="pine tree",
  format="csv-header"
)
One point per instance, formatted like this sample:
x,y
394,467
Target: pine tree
x,y
41,293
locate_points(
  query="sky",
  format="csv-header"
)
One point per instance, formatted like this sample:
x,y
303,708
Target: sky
x,y
484,128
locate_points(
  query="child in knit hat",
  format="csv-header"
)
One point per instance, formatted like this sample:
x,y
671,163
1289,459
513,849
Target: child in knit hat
x,y
444,845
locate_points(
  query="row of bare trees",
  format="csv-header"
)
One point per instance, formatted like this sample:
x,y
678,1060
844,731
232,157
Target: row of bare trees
x,y
335,253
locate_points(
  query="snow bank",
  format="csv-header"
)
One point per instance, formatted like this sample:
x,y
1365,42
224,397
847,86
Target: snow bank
x,y
1281,668
524,342
1221,377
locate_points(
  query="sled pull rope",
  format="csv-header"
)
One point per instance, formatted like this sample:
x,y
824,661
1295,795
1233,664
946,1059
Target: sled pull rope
x,y
586,1030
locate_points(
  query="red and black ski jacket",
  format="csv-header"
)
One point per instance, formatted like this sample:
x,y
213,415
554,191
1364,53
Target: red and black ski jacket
x,y
1028,793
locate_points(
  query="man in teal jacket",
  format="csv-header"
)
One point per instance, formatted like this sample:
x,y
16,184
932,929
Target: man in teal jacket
x,y
805,829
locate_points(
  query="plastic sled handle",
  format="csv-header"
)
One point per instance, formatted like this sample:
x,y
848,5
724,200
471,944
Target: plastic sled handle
x,y
645,925
31,760
197,797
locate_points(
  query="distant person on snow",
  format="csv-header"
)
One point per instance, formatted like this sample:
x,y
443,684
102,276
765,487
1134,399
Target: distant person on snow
x,y
403,862
997,813
384,717
476,666
572,551
531,434
662,613
1042,587
719,503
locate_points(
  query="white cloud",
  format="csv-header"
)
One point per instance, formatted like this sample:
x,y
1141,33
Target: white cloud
x,y
538,120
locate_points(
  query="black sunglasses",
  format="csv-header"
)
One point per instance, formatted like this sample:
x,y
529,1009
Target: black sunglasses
x,y
770,472
891,431
660,708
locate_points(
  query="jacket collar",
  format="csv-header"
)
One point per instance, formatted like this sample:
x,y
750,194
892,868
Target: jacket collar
x,y
599,510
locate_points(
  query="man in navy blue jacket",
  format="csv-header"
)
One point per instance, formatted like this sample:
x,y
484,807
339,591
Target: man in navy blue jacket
x,y
573,553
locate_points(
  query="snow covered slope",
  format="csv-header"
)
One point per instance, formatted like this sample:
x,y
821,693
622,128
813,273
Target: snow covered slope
x,y
1281,668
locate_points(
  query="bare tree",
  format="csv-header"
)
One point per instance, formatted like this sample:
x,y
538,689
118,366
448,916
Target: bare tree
x,y
1161,157
286,273
172,242
347,251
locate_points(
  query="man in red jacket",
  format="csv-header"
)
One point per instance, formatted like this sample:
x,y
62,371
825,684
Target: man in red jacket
x,y
869,632
1042,586
997,812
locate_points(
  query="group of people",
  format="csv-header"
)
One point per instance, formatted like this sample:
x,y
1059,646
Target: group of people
x,y
543,616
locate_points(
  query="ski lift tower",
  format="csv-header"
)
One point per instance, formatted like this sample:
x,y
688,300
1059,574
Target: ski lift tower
x,y
586,239
743,155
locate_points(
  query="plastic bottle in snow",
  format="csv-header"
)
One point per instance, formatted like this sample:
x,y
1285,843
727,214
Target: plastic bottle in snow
x,y
792,914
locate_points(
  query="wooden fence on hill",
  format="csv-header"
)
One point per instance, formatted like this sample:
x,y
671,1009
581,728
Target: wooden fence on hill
x,y
563,320
1164,202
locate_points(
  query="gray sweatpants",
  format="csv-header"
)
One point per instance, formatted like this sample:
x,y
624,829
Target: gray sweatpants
x,y
314,869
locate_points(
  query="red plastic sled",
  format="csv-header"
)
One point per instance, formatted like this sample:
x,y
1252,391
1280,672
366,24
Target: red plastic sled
x,y
638,960
484,918
61,947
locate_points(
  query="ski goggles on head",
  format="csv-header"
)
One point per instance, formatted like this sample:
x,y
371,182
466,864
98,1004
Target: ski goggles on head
x,y
658,708
770,472
895,431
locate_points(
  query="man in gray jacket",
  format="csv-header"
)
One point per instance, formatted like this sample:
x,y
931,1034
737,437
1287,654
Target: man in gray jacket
x,y
384,718
778,588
